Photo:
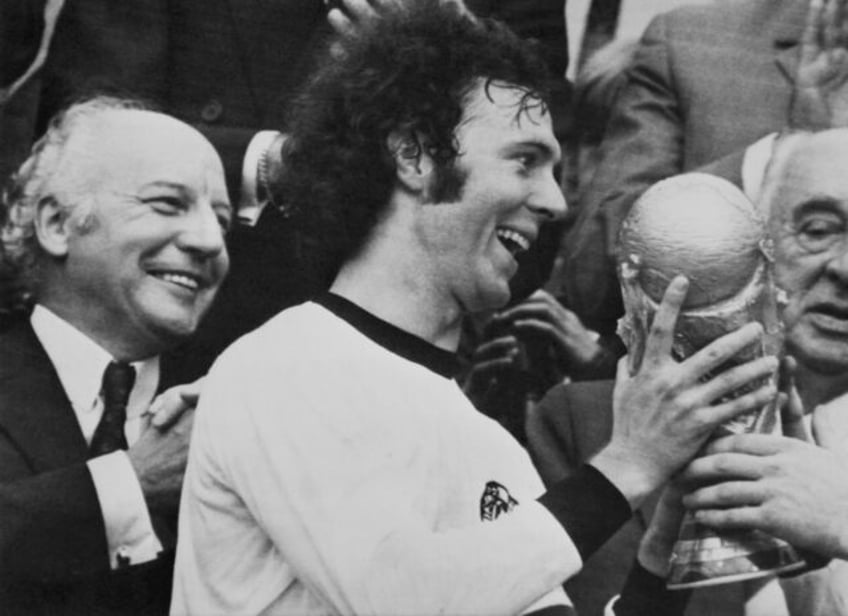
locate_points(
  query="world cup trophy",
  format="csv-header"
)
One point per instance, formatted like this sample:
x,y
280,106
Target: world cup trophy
x,y
704,228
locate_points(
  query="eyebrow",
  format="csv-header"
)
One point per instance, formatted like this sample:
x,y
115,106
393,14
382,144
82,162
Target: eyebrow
x,y
177,186
818,203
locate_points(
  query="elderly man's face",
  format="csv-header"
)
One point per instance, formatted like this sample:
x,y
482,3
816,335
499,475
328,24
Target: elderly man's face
x,y
149,255
809,218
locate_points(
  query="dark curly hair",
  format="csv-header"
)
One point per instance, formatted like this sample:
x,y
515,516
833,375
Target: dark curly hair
x,y
408,73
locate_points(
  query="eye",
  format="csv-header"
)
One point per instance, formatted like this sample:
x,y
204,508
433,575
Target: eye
x,y
527,159
167,204
527,162
820,232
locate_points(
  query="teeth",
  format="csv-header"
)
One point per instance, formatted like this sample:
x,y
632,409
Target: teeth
x,y
517,242
180,279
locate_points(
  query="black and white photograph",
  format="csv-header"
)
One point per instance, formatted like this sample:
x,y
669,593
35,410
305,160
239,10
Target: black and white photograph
x,y
418,307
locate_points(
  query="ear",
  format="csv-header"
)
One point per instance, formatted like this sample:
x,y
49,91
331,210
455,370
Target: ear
x,y
52,227
414,166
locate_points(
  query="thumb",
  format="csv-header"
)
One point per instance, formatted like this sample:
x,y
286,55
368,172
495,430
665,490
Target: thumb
x,y
789,402
792,415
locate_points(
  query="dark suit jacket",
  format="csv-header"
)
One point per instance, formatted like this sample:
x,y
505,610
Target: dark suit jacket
x,y
706,82
53,550
571,424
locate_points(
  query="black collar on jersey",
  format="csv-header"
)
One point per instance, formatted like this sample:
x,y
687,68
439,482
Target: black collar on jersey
x,y
391,337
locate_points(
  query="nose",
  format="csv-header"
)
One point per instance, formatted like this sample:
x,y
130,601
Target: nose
x,y
202,234
548,201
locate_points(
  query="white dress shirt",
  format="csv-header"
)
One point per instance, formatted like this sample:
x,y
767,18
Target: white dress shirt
x,y
80,363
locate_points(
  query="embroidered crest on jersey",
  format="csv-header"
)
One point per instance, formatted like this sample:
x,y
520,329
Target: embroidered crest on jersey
x,y
496,500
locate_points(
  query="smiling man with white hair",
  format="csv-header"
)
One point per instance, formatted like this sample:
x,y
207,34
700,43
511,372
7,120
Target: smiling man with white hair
x,y
115,225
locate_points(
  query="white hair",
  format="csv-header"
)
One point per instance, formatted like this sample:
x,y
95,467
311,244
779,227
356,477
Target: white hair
x,y
52,171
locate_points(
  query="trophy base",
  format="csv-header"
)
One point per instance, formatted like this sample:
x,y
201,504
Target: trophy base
x,y
703,558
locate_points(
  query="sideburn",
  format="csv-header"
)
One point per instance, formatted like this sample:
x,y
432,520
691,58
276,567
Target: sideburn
x,y
448,183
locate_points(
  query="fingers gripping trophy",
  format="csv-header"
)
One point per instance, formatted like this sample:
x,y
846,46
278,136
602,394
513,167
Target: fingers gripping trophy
x,y
705,228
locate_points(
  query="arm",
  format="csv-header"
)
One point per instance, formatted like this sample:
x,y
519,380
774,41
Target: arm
x,y
37,513
64,523
346,486
351,507
645,592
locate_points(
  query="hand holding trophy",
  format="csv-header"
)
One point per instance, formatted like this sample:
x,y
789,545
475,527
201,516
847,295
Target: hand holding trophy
x,y
704,228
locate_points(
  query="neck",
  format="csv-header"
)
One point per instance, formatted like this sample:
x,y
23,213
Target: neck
x,y
387,280
816,388
99,332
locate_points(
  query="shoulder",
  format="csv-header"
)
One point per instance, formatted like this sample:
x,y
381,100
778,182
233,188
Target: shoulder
x,y
728,13
292,332
722,19
22,353
305,359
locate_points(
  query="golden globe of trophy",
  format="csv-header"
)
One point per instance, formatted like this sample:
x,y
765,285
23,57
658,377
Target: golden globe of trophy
x,y
705,228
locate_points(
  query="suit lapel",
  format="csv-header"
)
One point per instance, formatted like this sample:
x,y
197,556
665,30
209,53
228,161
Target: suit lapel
x,y
34,410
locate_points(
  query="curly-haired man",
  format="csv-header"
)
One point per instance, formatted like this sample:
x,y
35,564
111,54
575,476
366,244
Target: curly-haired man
x,y
336,466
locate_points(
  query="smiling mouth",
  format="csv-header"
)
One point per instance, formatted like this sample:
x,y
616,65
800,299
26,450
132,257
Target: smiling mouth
x,y
513,241
832,311
830,318
186,280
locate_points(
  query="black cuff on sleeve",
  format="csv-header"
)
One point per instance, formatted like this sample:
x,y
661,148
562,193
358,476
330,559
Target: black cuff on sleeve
x,y
645,593
589,508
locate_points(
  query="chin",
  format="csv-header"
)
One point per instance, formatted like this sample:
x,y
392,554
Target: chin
x,y
173,327
493,299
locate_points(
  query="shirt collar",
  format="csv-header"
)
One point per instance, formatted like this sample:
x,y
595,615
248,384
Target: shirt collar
x,y
80,362
391,337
